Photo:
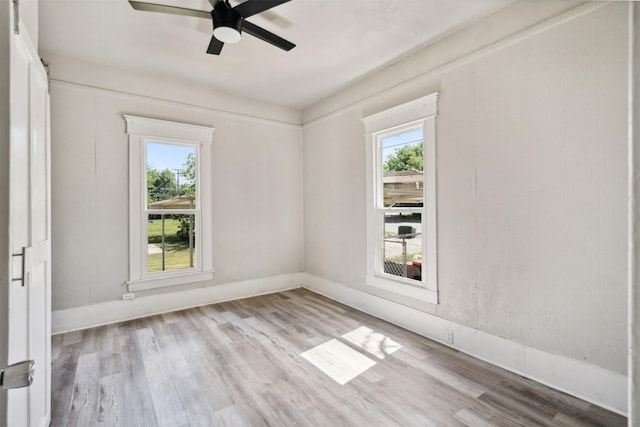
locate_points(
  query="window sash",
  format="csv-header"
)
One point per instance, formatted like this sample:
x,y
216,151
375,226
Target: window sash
x,y
197,247
382,210
379,159
143,170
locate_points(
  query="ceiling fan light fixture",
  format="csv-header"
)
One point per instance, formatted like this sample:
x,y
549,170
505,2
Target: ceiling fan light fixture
x,y
227,24
227,34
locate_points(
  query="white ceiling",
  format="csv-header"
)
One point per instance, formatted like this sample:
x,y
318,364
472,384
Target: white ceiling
x,y
338,41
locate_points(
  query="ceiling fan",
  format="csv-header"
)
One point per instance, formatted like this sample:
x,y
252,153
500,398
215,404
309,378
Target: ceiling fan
x,y
228,22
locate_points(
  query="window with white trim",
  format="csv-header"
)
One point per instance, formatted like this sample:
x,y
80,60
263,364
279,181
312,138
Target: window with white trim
x,y
169,203
401,218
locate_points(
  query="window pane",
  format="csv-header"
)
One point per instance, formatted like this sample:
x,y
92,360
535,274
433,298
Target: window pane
x,y
403,170
171,176
403,245
171,244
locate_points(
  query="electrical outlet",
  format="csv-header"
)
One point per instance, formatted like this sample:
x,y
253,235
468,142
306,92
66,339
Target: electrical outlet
x,y
449,337
128,296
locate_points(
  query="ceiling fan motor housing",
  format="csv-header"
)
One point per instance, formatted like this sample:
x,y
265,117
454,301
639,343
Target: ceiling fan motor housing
x,y
224,17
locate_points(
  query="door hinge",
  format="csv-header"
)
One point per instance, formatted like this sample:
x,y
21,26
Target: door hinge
x,y
16,16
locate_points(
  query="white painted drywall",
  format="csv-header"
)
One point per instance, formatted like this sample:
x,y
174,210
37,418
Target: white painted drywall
x,y
532,167
257,186
29,17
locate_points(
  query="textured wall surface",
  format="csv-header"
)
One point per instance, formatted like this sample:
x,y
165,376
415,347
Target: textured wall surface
x,y
531,179
257,188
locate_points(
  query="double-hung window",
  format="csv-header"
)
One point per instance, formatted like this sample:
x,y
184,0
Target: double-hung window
x,y
401,220
170,203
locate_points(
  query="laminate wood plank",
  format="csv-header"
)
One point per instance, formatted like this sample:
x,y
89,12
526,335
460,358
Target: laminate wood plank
x,y
448,377
334,307
485,414
63,373
240,363
239,416
411,404
471,419
313,386
158,326
518,411
202,401
535,394
84,404
110,357
214,313
56,345
564,420
74,337
111,402
168,406
139,408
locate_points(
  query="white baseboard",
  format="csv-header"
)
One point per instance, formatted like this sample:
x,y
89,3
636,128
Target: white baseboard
x,y
117,311
592,383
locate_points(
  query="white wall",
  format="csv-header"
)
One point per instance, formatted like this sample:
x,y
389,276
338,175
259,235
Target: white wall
x,y
532,187
29,17
257,185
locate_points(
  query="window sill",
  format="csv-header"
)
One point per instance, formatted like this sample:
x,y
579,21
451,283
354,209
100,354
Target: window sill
x,y
169,280
403,289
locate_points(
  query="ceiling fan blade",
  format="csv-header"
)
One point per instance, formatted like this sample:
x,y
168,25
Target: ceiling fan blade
x,y
267,36
172,10
215,46
252,7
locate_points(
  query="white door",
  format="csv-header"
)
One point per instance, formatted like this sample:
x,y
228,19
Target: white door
x,y
28,304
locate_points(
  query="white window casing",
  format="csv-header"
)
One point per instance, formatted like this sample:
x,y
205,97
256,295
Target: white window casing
x,y
142,130
416,114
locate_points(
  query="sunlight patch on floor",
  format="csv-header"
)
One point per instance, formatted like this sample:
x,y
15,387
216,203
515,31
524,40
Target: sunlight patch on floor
x,y
339,361
372,342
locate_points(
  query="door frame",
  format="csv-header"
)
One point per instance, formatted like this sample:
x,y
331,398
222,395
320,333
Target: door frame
x,y
5,135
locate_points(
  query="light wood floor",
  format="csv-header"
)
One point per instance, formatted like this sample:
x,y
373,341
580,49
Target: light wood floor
x,y
239,364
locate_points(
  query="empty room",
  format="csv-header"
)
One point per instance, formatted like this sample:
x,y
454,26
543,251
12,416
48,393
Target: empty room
x,y
319,213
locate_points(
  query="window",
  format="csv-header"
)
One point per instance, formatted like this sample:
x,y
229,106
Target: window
x,y
169,202
401,220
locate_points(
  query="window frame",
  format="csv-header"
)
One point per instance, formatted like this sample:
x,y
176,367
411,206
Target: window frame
x,y
419,113
141,131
